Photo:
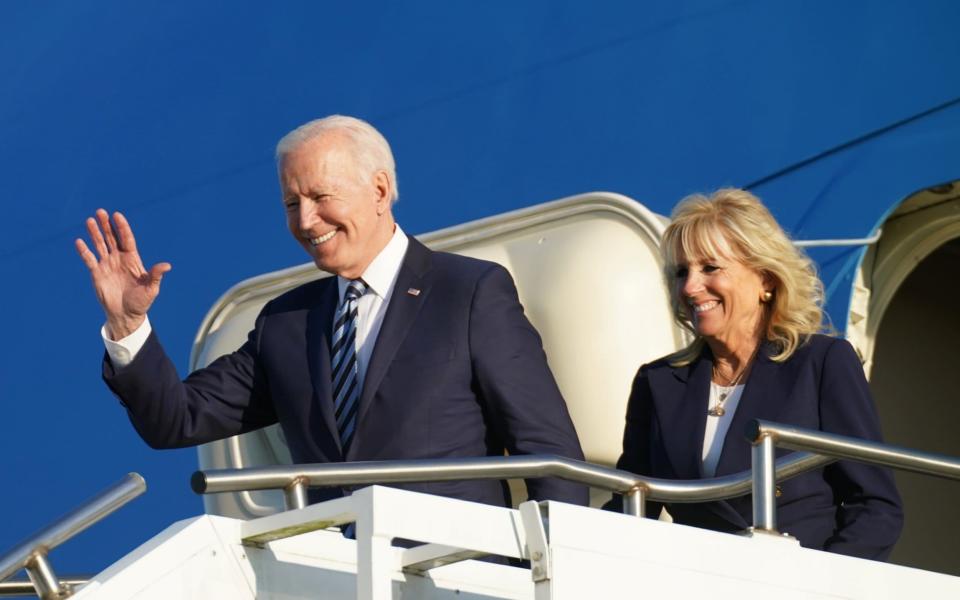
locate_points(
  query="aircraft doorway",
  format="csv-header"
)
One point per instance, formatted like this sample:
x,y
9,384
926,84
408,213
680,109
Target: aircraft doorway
x,y
903,322
915,380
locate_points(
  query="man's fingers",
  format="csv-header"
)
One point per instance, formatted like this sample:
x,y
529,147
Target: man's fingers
x,y
97,238
125,233
85,254
157,272
108,235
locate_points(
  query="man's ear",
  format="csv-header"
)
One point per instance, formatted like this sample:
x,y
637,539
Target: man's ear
x,y
384,191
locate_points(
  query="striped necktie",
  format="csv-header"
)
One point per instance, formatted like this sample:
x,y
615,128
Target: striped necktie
x,y
346,377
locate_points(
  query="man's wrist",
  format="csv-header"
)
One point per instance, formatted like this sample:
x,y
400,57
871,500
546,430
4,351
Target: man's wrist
x,y
118,329
124,350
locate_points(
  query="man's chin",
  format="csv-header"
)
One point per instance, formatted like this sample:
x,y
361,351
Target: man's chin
x,y
325,266
321,263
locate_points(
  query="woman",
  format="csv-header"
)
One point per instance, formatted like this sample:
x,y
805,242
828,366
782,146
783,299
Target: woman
x,y
752,302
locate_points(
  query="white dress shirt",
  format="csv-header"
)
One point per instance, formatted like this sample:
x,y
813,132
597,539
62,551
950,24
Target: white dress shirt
x,y
380,277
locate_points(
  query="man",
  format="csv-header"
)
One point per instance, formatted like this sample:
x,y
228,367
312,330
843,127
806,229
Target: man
x,y
405,354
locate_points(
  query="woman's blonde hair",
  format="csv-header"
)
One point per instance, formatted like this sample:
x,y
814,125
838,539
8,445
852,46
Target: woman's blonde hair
x,y
733,223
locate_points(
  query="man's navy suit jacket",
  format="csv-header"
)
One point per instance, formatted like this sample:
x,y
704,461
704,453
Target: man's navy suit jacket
x,y
457,371
846,507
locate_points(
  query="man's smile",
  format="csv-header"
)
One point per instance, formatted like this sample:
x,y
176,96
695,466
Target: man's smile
x,y
323,238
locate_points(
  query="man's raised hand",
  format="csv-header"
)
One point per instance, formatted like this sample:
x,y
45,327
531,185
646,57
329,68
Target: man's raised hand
x,y
124,287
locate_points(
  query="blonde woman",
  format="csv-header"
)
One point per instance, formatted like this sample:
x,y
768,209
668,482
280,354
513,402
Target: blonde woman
x,y
753,304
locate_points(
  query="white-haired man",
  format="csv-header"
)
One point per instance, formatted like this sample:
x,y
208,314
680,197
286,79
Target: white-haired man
x,y
405,354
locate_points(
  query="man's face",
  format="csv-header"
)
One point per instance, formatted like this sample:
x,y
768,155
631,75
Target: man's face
x,y
338,213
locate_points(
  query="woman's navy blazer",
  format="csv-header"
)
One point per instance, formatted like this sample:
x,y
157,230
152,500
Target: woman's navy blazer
x,y
845,507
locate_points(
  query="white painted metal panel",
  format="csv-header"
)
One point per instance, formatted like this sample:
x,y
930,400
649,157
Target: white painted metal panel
x,y
592,554
606,555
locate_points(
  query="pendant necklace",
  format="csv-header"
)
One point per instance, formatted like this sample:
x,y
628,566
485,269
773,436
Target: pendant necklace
x,y
717,410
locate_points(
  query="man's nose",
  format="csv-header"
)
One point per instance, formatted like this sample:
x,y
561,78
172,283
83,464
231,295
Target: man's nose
x,y
307,215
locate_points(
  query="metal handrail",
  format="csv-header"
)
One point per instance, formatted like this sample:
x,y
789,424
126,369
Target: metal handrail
x,y
31,554
294,480
765,436
867,241
18,588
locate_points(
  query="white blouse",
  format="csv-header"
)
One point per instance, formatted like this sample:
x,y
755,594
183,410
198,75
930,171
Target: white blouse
x,y
716,430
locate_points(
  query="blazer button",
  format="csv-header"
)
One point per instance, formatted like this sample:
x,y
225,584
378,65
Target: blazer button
x,y
778,491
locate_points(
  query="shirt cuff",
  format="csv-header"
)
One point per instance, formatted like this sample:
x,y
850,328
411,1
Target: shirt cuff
x,y
123,351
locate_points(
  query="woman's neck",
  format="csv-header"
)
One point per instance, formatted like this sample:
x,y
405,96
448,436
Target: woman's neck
x,y
731,360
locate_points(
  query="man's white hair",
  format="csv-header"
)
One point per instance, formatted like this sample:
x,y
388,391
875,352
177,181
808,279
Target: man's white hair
x,y
371,150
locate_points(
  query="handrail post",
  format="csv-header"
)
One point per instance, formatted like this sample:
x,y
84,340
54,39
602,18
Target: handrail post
x,y
764,484
634,502
37,546
295,494
44,580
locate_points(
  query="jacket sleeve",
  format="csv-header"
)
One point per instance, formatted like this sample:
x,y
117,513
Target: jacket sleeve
x,y
516,386
637,432
223,399
869,510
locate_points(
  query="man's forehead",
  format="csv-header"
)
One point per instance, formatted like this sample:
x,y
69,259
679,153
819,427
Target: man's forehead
x,y
326,157
333,141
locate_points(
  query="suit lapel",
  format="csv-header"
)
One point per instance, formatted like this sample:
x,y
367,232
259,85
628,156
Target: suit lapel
x,y
319,320
683,407
401,313
688,419
767,389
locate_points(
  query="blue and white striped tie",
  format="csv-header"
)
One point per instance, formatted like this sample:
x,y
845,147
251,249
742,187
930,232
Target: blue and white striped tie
x,y
346,377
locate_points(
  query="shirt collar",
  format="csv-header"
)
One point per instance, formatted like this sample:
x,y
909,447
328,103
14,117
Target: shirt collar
x,y
382,272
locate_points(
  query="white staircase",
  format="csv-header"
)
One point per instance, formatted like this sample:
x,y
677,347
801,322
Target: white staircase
x,y
574,552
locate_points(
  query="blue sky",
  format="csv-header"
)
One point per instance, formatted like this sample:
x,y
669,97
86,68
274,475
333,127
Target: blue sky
x,y
169,112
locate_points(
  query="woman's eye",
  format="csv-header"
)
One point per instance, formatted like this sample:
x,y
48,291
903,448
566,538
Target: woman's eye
x,y
710,268
681,272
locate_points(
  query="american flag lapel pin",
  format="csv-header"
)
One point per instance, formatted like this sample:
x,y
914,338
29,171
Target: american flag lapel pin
x,y
413,291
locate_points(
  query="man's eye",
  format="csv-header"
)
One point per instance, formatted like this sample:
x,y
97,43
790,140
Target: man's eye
x,y
291,205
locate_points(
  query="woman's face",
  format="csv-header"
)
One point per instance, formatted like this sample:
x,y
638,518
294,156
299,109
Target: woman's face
x,y
722,298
